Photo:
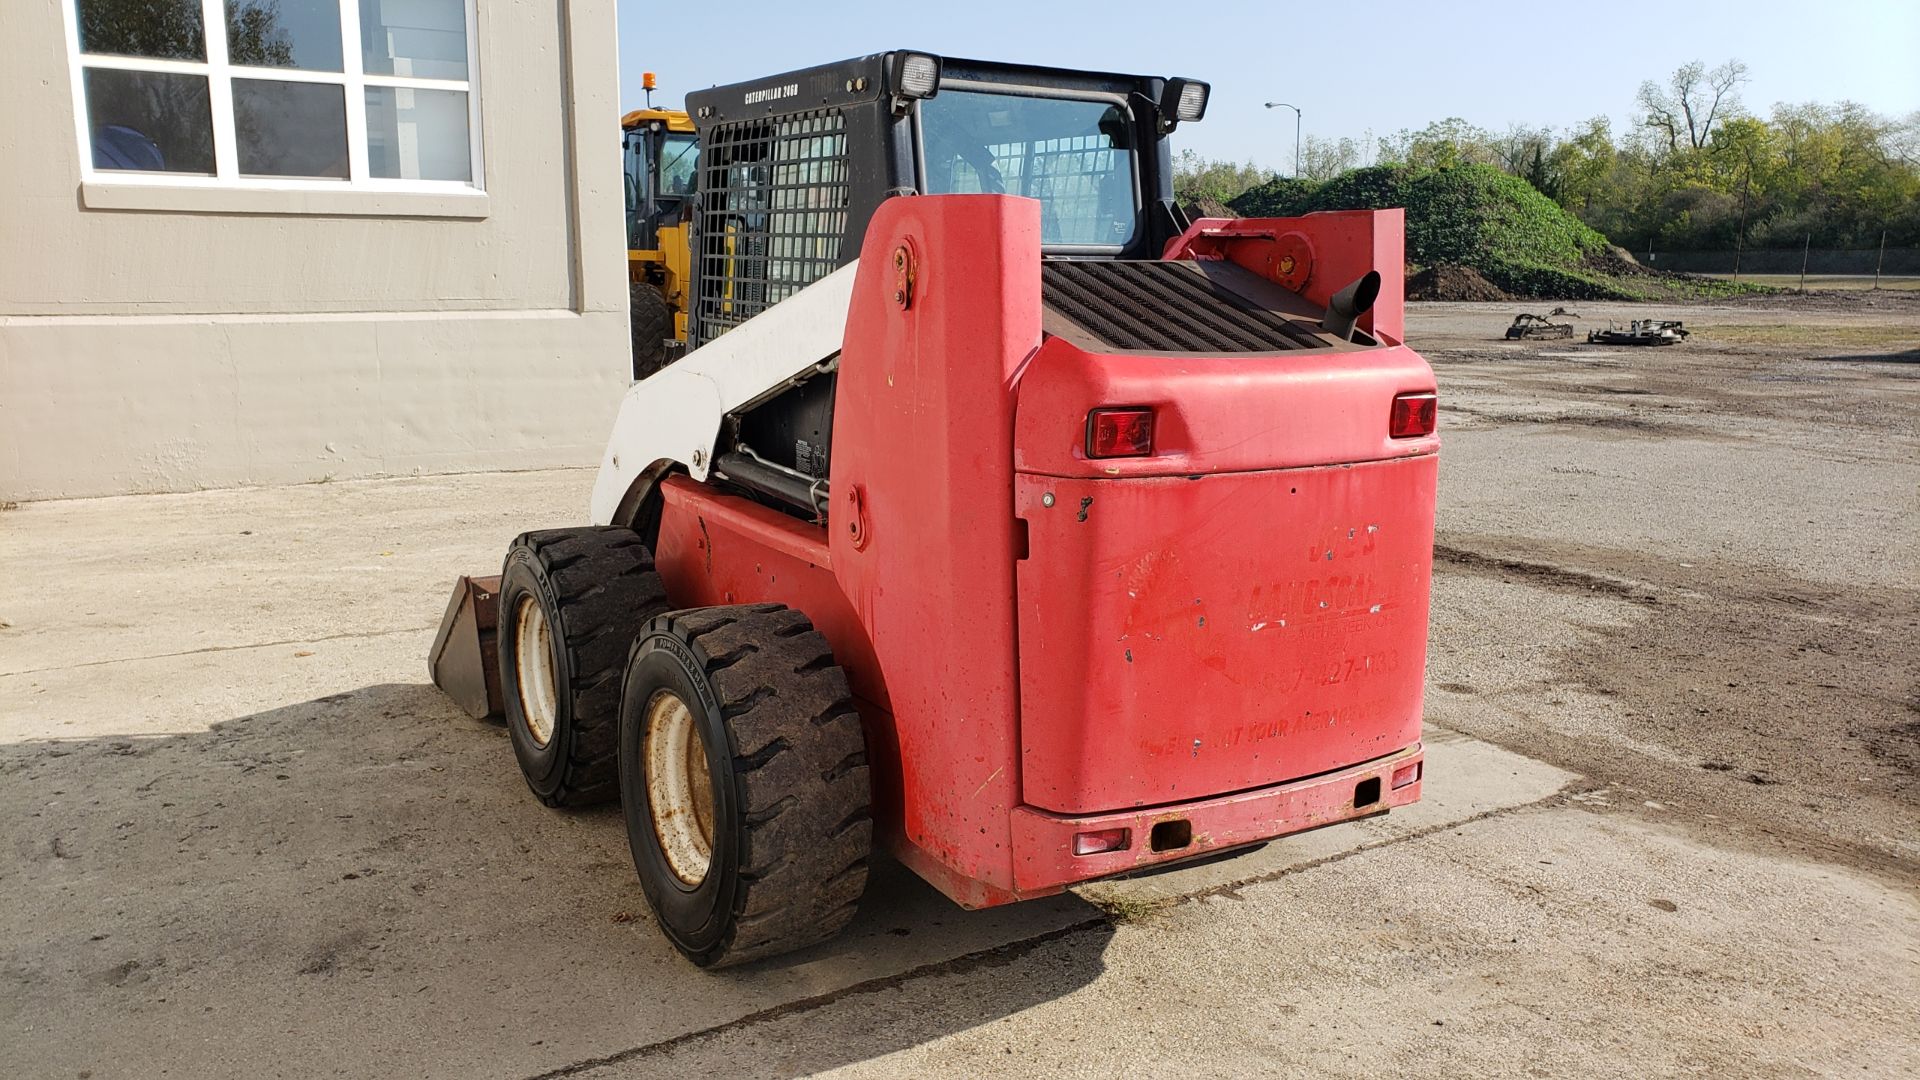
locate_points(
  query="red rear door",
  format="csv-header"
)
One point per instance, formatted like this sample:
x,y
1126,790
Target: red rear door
x,y
1244,607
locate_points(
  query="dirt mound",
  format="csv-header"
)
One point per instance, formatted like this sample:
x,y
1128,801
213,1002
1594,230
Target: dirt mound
x,y
1451,282
1205,207
1617,261
1466,215
1520,242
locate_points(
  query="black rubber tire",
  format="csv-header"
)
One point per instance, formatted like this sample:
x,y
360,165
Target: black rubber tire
x,y
652,324
597,588
792,814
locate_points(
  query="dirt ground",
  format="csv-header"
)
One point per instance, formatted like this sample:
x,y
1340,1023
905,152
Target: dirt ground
x,y
1754,493
1673,723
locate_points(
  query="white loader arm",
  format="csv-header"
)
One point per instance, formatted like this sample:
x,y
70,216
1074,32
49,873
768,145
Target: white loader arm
x,y
675,413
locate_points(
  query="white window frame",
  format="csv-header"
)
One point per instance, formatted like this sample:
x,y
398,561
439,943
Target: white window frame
x,y
220,73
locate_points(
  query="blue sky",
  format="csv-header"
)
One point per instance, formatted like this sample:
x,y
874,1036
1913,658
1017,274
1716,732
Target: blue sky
x,y
1399,65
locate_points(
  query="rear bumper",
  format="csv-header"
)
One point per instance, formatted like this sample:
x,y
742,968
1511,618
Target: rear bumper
x,y
1043,843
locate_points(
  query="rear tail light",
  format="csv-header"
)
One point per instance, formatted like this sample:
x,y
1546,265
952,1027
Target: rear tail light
x,y
1405,774
1093,843
1413,415
1115,433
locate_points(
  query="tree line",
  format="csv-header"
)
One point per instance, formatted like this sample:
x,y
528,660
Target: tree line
x,y
1696,171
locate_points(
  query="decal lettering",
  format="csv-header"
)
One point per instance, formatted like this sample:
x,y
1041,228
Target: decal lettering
x,y
772,93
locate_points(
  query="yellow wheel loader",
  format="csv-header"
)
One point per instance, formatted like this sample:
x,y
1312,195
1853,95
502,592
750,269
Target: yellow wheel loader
x,y
662,153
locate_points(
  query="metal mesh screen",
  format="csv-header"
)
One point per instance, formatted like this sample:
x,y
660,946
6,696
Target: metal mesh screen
x,y
773,212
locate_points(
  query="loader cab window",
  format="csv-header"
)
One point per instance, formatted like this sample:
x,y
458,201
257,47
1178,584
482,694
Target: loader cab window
x,y
1075,155
660,169
679,164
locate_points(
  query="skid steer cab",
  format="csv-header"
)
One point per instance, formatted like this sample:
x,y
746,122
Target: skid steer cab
x,y
1000,519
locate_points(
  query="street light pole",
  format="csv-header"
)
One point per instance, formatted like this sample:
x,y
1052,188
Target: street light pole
x,y
1296,132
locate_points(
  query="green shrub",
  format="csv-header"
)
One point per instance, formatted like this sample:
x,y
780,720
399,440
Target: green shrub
x,y
1282,196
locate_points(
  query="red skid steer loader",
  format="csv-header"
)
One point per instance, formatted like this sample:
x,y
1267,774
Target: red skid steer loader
x,y
998,517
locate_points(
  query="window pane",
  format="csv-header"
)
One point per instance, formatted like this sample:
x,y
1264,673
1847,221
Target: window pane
x,y
424,39
679,164
284,33
169,29
1074,156
149,121
290,129
417,134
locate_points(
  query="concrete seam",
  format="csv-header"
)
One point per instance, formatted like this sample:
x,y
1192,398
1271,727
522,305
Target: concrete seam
x,y
1558,798
389,478
222,648
1008,952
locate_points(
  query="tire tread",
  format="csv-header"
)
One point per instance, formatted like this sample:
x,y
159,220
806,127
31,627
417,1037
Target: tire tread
x,y
606,589
801,773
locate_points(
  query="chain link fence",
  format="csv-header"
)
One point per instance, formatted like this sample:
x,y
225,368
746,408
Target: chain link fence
x,y
1826,262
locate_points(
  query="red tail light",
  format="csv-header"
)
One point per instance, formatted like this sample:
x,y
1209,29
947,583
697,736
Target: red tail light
x,y
1115,433
1413,415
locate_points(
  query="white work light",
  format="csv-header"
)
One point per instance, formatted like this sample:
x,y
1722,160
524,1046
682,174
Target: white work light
x,y
918,75
1184,99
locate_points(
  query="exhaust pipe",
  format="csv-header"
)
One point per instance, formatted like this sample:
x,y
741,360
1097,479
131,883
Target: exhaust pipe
x,y
1347,305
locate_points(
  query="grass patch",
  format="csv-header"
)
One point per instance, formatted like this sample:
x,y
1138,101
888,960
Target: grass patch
x,y
1130,908
1798,334
1831,282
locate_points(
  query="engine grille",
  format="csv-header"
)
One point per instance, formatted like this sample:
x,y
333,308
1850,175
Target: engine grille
x,y
1160,306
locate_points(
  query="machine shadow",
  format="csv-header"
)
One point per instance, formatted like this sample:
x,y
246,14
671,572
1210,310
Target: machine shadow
x,y
1910,356
334,856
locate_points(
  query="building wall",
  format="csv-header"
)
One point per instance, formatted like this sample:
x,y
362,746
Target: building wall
x,y
166,340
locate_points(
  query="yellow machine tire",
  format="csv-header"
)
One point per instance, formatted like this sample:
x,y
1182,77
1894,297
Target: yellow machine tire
x,y
652,324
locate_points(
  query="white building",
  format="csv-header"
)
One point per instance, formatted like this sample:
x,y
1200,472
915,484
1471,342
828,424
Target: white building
x,y
269,241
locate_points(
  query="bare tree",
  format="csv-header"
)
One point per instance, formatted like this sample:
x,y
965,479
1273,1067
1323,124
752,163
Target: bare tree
x,y
1324,159
1903,138
1521,147
1693,99
1196,178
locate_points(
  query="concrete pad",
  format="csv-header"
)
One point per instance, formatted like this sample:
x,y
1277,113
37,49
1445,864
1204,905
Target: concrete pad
x,y
363,880
247,838
191,692
151,575
1548,943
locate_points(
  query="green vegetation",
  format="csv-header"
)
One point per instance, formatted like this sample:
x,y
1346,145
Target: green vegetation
x,y
1533,209
1803,335
1475,215
1835,282
1129,907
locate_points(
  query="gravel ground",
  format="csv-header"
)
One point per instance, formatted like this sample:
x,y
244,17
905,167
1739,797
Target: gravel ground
x,y
1674,721
1750,502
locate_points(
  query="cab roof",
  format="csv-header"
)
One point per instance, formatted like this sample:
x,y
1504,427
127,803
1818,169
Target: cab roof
x,y
673,118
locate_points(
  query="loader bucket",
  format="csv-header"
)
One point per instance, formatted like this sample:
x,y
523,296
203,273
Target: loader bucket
x,y
464,660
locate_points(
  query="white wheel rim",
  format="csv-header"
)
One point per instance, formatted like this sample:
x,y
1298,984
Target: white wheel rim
x,y
679,787
533,670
